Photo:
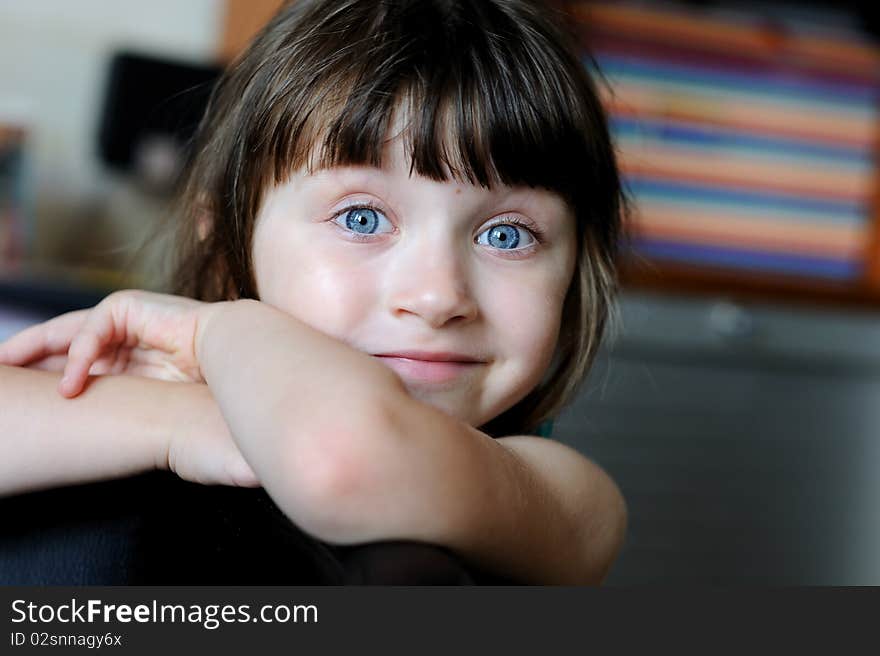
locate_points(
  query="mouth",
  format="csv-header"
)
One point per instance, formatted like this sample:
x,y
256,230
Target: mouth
x,y
430,367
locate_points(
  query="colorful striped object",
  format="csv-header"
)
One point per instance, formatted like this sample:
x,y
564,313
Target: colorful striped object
x,y
744,144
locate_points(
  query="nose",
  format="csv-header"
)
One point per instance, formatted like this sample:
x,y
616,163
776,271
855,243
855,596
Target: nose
x,y
432,283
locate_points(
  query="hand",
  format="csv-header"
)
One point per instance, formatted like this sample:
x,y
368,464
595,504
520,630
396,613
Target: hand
x,y
200,448
129,332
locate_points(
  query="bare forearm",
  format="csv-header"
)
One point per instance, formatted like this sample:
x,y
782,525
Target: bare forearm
x,y
117,428
289,395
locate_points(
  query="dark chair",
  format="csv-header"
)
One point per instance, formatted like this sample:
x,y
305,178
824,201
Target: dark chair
x,y
156,529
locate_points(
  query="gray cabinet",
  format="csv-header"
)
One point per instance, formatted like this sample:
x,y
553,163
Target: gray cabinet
x,y
746,440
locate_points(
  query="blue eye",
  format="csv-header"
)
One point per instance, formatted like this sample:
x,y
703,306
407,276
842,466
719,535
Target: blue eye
x,y
362,220
506,236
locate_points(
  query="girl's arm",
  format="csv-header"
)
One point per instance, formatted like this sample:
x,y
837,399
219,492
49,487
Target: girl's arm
x,y
351,457
336,440
123,426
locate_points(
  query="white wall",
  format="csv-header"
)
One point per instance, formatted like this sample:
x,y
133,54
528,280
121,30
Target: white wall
x,y
54,56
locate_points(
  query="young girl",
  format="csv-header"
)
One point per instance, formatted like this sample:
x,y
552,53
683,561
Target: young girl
x,y
399,232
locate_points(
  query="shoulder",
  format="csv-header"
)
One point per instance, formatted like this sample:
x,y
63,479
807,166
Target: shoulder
x,y
584,491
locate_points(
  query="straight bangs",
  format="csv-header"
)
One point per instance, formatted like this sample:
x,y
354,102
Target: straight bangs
x,y
474,95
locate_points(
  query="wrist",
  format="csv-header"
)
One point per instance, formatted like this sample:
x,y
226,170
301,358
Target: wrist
x,y
196,443
205,322
172,398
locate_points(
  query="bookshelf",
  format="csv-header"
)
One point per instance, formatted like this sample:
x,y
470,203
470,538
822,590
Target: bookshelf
x,y
749,147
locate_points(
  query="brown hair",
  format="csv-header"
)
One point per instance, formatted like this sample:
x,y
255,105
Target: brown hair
x,y
494,93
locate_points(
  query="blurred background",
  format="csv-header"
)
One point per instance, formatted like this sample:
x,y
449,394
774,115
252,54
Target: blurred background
x,y
736,403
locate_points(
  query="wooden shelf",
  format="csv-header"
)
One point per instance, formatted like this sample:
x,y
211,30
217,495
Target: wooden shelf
x,y
703,280
244,18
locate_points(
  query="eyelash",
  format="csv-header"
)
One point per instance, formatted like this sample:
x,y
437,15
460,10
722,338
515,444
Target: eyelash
x,y
527,225
536,232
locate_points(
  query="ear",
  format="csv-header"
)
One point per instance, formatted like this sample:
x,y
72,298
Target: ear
x,y
204,217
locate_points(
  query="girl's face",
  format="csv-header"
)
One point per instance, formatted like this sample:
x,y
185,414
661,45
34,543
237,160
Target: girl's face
x,y
456,288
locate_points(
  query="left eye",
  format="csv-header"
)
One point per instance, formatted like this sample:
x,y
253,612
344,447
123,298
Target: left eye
x,y
363,220
506,236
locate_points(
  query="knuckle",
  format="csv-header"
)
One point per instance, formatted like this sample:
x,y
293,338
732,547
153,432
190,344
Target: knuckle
x,y
83,346
51,335
134,293
54,334
122,296
114,299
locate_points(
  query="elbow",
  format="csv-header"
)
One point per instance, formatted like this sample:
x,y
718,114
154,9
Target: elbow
x,y
334,476
613,532
602,534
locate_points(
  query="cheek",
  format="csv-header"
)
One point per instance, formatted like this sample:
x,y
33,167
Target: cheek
x,y
525,316
328,297
322,289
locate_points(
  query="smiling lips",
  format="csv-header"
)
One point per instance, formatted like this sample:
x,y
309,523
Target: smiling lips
x,y
429,367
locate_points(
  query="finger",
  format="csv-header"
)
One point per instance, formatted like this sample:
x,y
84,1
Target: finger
x,y
98,332
106,364
41,340
51,363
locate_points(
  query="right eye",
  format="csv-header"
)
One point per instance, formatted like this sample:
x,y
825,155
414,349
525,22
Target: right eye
x,y
363,220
